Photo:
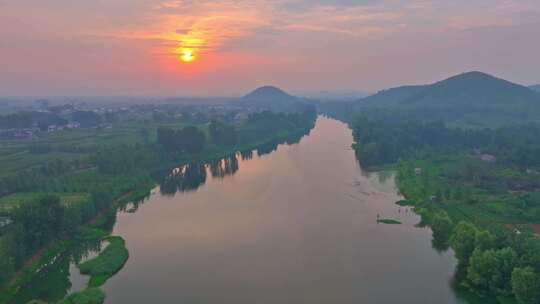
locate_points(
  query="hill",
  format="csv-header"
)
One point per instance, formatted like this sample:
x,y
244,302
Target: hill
x,y
391,96
273,99
535,87
472,98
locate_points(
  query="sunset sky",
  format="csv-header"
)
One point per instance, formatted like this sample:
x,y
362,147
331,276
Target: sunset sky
x,y
143,47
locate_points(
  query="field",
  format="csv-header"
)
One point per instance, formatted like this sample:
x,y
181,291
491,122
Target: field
x,y
14,200
470,189
76,144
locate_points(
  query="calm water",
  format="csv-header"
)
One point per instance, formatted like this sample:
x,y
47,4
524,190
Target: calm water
x,y
297,225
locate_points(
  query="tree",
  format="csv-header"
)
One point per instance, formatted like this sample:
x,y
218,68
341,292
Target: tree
x,y
484,240
165,137
7,267
193,139
526,285
40,221
87,119
463,241
189,139
442,226
491,270
222,134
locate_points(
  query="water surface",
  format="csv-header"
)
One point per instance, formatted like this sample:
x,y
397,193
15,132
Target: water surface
x,y
297,225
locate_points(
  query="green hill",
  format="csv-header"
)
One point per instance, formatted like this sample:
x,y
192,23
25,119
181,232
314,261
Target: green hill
x,y
273,99
391,97
472,98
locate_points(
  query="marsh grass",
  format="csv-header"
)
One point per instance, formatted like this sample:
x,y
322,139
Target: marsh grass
x,y
107,263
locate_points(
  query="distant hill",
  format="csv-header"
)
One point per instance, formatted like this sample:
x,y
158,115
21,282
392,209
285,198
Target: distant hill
x,y
334,96
392,96
469,98
268,93
273,99
535,87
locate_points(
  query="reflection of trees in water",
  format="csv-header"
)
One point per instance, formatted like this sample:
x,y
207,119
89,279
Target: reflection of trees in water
x,y
185,178
191,176
132,205
385,175
53,284
246,155
273,145
223,167
267,148
294,139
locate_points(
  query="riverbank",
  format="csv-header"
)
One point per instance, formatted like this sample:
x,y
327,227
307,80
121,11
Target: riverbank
x,y
310,206
464,214
107,263
482,208
124,193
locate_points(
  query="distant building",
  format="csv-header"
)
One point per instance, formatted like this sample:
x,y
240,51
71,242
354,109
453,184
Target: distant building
x,y
73,125
51,128
532,171
241,116
488,158
4,221
23,134
417,171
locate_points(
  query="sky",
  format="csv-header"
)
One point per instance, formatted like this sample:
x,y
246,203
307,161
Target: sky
x,y
209,48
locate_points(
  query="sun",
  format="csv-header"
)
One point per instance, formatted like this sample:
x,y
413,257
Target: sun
x,y
187,56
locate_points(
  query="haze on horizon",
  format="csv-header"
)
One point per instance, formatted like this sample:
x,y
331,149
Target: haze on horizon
x,y
167,47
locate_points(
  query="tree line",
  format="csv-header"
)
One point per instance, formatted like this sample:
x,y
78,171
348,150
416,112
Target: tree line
x,y
380,142
189,139
29,119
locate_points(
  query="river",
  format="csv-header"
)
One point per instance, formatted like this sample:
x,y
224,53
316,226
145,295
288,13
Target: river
x,y
297,225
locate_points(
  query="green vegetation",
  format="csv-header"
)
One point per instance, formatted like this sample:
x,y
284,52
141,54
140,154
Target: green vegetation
x,y
27,274
109,262
17,199
53,187
526,285
478,190
87,296
389,221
